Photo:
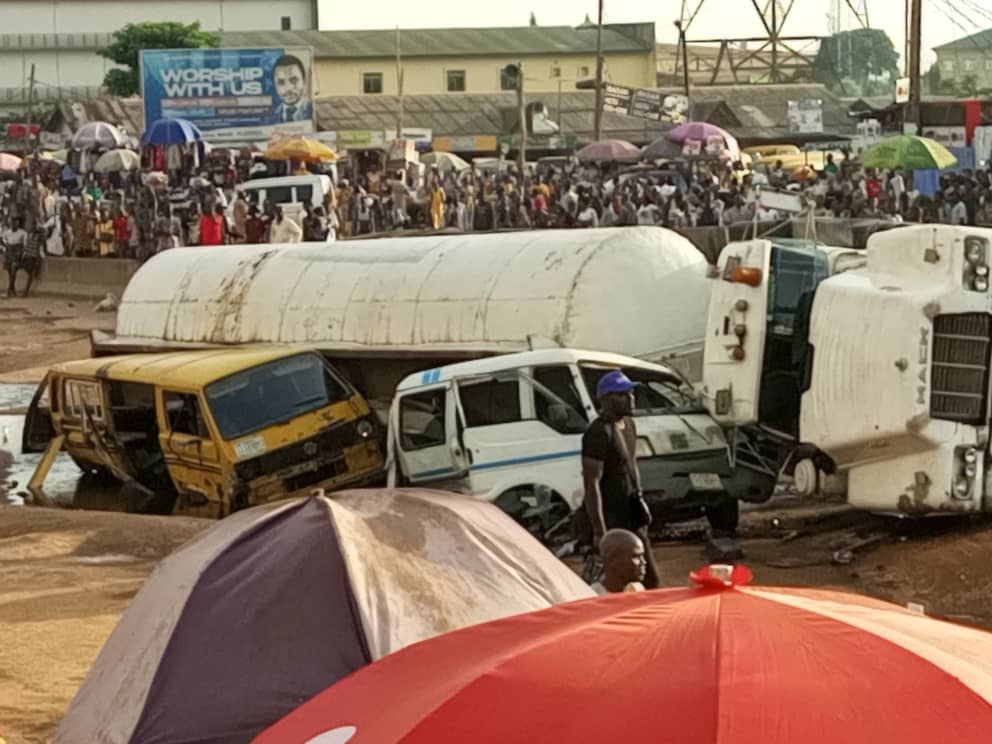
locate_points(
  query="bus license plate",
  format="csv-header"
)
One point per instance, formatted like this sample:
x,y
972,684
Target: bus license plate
x,y
705,482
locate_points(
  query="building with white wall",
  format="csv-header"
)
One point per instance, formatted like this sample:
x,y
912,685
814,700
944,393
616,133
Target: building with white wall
x,y
62,38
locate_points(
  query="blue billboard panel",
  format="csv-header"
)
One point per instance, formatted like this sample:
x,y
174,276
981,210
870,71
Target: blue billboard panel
x,y
231,94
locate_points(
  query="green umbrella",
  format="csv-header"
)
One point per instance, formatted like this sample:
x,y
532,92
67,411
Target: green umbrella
x,y
909,152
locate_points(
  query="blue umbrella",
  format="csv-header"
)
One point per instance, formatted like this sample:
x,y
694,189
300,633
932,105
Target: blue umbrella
x,y
172,132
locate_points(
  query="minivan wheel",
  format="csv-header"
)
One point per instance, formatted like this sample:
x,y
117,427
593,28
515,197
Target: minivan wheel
x,y
542,512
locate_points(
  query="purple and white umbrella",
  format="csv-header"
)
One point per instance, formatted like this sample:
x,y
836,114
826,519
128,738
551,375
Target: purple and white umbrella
x,y
97,134
271,605
609,151
707,135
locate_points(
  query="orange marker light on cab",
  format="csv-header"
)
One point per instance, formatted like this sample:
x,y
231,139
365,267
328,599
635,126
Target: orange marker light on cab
x,y
750,275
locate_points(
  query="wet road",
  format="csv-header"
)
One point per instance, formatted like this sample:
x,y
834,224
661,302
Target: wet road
x,y
65,485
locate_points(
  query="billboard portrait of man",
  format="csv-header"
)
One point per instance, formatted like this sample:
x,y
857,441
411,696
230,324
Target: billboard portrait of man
x,y
292,86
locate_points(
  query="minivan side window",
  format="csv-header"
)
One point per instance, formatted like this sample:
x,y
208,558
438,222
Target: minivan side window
x,y
490,402
562,410
422,417
279,194
184,415
304,192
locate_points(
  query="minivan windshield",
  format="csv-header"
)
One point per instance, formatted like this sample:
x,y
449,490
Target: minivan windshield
x,y
272,393
657,393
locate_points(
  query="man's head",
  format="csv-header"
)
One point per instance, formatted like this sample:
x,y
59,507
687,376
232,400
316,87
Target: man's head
x,y
615,392
623,559
290,79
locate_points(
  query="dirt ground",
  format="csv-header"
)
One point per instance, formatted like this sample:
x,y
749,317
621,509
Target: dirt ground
x,y
40,331
67,575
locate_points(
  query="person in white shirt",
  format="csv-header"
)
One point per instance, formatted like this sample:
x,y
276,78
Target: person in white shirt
x,y
624,563
284,230
959,212
897,185
588,217
647,214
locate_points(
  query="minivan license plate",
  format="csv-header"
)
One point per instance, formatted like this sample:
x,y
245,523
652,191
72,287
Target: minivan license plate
x,y
705,482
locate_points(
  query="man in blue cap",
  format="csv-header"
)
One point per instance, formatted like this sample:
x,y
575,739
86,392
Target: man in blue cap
x,y
610,476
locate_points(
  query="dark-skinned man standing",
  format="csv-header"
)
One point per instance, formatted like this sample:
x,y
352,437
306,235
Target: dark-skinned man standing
x,y
610,477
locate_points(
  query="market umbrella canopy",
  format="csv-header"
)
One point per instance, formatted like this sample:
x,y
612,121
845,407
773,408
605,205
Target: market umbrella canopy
x,y
113,161
97,134
662,149
704,665
609,151
445,161
9,163
302,149
909,152
708,135
273,604
172,132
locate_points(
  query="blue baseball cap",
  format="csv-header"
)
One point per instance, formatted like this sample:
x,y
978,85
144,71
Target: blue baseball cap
x,y
614,381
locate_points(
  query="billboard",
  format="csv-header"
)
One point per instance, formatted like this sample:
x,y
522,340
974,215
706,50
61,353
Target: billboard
x,y
231,94
806,116
642,103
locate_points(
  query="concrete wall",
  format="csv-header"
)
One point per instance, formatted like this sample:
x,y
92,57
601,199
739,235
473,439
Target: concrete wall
x,y
81,16
428,75
80,277
962,63
53,67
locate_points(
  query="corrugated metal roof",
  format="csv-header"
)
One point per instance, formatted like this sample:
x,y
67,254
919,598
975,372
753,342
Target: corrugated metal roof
x,y
454,42
761,110
979,42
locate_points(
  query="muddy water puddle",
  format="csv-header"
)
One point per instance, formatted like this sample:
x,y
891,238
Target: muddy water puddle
x,y
66,485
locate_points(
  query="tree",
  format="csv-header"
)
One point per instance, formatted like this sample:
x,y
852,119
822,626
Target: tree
x,y
533,19
129,41
864,56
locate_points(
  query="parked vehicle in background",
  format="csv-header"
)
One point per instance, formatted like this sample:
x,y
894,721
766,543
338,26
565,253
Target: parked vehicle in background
x,y
204,433
292,193
509,429
866,374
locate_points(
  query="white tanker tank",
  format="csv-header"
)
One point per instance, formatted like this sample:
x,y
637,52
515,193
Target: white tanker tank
x,y
411,302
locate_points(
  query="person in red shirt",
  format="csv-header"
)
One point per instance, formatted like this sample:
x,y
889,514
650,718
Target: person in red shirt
x,y
255,227
122,231
213,227
873,186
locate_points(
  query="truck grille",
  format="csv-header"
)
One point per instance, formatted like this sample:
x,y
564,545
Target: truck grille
x,y
329,443
960,367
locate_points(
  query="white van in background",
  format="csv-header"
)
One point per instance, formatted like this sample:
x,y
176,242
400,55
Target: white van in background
x,y
291,193
509,429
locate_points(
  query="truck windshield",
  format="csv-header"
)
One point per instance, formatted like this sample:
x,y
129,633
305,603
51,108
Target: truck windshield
x,y
272,393
657,393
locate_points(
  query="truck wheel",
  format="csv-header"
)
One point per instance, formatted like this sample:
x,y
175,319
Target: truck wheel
x,y
541,511
724,516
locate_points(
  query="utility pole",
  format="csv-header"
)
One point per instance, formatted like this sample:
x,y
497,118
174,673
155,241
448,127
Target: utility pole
x,y
915,32
399,87
522,111
685,58
598,113
774,40
30,99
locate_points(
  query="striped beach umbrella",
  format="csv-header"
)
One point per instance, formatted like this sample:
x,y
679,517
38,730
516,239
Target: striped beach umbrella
x,y
273,604
716,664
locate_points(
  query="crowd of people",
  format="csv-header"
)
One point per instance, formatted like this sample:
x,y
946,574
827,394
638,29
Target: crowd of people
x,y
56,211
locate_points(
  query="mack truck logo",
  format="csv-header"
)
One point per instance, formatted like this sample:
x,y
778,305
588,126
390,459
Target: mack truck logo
x,y
921,389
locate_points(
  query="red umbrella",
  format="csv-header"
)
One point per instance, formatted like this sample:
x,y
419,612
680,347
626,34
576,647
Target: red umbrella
x,y
609,151
708,665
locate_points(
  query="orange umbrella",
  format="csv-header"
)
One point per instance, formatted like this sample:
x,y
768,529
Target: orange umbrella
x,y
302,149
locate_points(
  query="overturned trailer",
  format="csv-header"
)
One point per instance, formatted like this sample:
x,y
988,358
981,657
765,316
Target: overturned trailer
x,y
415,302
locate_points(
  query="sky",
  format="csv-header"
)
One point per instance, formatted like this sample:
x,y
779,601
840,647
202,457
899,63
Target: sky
x,y
943,20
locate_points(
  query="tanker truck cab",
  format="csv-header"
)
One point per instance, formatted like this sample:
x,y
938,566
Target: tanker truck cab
x,y
509,430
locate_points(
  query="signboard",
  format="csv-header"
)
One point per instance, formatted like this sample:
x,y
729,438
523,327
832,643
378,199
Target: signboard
x,y
806,116
902,90
231,94
617,98
642,103
780,200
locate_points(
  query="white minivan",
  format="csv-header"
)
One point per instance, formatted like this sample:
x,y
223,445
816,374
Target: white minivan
x,y
291,193
509,429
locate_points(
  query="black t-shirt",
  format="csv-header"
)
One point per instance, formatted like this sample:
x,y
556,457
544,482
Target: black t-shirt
x,y
598,444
